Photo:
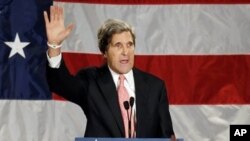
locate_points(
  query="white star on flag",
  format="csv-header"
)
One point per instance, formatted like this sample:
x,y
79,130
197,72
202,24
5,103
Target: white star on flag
x,y
17,46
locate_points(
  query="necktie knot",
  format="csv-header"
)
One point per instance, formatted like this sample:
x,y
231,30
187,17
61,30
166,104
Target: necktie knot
x,y
121,78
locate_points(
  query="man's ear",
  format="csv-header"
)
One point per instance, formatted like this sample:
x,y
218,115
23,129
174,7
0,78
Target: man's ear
x,y
105,54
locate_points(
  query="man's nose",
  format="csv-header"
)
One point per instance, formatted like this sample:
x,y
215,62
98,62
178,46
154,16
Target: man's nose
x,y
124,50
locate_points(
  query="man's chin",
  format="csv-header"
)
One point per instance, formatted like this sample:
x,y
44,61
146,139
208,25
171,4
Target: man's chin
x,y
124,70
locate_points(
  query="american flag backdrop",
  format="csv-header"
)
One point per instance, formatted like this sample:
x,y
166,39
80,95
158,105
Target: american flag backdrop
x,y
27,110
201,48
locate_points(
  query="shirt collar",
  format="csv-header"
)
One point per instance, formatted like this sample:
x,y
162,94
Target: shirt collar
x,y
129,77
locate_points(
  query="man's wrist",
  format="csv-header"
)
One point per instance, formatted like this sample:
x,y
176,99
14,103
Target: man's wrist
x,y
54,45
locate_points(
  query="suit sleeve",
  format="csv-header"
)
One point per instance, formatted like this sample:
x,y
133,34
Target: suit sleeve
x,y
165,118
66,85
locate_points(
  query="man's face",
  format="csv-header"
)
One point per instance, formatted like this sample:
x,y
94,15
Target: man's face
x,y
120,53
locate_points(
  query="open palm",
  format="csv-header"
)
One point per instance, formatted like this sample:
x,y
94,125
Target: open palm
x,y
56,31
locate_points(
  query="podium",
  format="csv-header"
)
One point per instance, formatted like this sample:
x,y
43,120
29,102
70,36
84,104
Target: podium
x,y
124,139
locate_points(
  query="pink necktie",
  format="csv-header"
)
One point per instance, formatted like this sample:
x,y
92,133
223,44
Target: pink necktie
x,y
124,96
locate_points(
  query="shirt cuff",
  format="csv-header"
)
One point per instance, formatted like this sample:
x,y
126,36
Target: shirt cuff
x,y
54,62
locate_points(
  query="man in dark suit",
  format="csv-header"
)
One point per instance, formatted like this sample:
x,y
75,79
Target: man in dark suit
x,y
95,89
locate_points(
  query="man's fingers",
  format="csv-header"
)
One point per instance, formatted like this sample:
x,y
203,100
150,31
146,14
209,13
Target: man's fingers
x,y
52,13
57,13
55,24
60,13
69,29
70,26
46,17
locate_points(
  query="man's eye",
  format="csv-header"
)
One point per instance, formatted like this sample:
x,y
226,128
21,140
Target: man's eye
x,y
118,45
130,44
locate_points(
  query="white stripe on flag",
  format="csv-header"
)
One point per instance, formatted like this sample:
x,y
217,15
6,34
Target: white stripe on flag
x,y
165,29
29,120
207,122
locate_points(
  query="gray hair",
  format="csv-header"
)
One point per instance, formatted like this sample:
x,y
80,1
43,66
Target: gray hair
x,y
108,29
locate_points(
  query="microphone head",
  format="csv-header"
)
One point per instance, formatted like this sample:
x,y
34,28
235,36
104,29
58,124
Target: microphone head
x,y
126,105
131,101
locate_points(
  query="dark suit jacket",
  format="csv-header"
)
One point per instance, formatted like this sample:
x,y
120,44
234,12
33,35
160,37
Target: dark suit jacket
x,y
94,90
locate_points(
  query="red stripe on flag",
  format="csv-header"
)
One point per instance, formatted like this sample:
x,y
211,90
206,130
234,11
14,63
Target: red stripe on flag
x,y
205,79
160,1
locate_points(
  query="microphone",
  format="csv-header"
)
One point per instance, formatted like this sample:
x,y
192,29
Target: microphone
x,y
126,106
131,102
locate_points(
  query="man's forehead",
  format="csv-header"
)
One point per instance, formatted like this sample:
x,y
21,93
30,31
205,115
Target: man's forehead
x,y
122,37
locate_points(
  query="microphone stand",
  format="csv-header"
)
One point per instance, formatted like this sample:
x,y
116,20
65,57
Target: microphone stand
x,y
131,103
126,106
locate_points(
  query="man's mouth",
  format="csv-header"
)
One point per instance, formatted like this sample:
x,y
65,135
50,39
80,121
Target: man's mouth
x,y
124,61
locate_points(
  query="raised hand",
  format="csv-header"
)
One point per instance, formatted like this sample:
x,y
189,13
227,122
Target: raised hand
x,y
55,28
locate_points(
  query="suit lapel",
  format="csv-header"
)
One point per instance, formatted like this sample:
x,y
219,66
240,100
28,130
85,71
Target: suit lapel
x,y
106,83
141,91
